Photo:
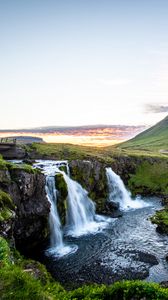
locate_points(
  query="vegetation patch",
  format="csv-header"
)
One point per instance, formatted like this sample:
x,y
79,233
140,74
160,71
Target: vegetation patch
x,y
6,206
26,279
150,178
161,219
25,167
3,163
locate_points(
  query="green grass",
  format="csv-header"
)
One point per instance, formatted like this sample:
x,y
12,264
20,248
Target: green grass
x,y
150,178
73,152
154,139
22,279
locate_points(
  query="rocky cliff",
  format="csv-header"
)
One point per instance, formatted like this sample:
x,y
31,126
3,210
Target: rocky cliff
x,y
27,224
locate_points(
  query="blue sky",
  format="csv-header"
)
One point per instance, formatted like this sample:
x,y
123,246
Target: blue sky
x,y
83,62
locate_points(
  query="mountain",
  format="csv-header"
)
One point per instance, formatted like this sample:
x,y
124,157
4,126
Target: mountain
x,y
154,138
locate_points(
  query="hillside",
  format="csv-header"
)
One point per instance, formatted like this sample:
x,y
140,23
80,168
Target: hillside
x,y
153,139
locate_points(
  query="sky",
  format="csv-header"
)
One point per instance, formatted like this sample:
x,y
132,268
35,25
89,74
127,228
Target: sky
x,y
79,62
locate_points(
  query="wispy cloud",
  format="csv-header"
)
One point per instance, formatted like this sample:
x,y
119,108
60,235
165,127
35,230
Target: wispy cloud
x,y
154,108
115,82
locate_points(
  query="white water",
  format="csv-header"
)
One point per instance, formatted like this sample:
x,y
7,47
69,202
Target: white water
x,y
57,246
56,239
81,218
119,193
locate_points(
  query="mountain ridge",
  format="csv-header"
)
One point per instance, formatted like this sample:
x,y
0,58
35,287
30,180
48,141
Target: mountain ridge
x,y
153,138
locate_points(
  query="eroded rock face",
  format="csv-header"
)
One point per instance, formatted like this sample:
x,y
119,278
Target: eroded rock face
x,y
30,225
92,176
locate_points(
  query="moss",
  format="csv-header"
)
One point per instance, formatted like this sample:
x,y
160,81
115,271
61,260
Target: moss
x,y
3,164
61,185
6,206
62,195
4,253
150,178
161,219
25,167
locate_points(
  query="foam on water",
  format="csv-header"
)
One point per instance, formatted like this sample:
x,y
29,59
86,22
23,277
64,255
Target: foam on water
x,y
119,193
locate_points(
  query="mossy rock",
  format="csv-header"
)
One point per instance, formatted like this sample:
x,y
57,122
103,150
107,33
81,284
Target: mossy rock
x,y
6,206
62,189
4,253
24,167
61,185
161,219
3,164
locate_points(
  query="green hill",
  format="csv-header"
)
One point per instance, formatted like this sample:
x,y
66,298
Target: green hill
x,y
153,139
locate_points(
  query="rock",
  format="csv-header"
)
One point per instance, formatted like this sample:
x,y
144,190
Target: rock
x,y
164,284
16,152
27,190
111,205
91,174
32,210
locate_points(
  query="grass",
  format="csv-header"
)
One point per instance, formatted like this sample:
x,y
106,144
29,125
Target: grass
x,y
105,155
22,279
150,178
154,139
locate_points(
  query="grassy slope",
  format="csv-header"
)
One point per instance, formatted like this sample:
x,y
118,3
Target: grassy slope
x,y
152,139
104,154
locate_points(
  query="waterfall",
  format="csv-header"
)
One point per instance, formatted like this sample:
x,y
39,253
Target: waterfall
x,y
56,239
119,193
81,215
57,246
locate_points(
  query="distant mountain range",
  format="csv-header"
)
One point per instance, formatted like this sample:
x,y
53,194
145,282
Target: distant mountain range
x,y
154,138
116,130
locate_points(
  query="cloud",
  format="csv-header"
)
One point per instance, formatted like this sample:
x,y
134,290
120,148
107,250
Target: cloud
x,y
153,108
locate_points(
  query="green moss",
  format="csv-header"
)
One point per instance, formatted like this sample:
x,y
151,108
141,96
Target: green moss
x,y
6,206
150,178
161,219
25,167
3,164
61,185
4,253
62,195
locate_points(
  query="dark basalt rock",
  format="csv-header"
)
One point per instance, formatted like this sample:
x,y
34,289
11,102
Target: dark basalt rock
x,y
27,190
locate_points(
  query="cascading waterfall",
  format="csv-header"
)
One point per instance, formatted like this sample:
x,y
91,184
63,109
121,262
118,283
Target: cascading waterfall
x,y
57,247
81,217
56,239
119,193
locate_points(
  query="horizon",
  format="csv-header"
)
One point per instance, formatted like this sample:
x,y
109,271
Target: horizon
x,y
100,135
